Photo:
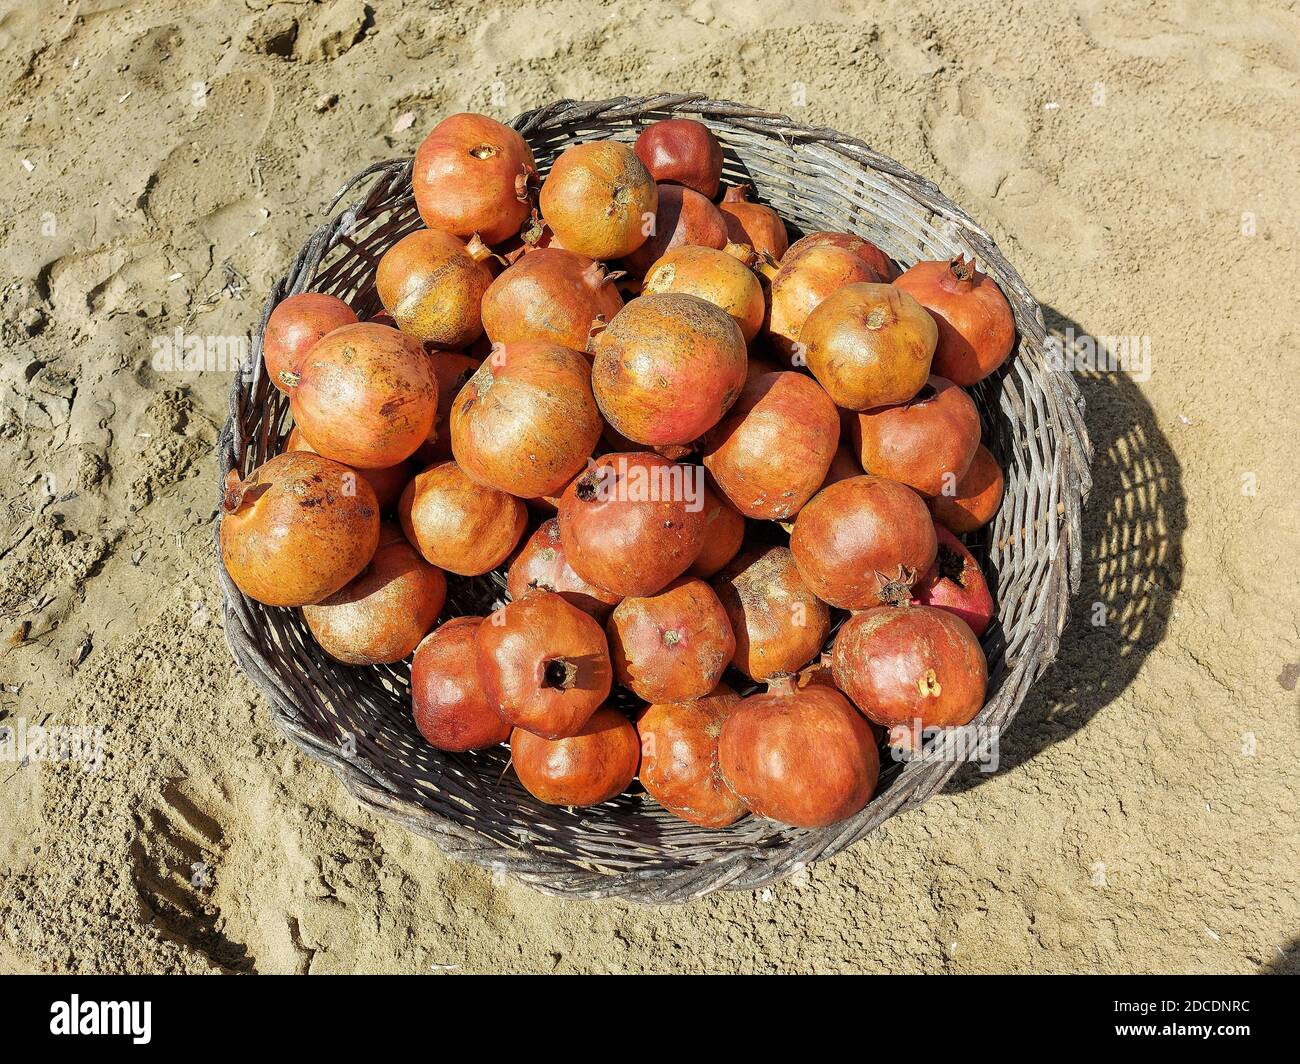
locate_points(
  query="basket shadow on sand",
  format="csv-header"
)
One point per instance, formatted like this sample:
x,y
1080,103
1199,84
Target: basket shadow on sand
x,y
1132,567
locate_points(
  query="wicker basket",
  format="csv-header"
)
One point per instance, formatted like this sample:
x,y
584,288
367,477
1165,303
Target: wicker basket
x,y
358,721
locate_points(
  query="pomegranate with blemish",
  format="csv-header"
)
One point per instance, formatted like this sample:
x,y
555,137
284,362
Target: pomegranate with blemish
x,y
433,285
297,529
800,756
380,615
673,645
457,524
365,396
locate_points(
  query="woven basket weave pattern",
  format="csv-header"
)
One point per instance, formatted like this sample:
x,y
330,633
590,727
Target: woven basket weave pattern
x,y
358,721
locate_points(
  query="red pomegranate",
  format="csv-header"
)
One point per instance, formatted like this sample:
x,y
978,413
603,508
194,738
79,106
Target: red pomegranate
x,y
802,756
976,327
683,218
956,583
926,443
544,664
297,528
673,645
294,327
542,565
679,758
911,668
447,696
683,151
633,522
863,541
868,344
365,396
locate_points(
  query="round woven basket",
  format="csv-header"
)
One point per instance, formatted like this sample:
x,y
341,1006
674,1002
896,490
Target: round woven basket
x,y
358,720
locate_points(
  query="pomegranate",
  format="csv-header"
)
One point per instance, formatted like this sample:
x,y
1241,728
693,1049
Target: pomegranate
x,y
754,224
799,287
672,645
679,758
544,664
863,541
387,482
976,327
433,285
869,345
633,522
381,614
716,276
770,454
801,756
293,328
542,565
550,295
864,249
956,583
599,199
458,525
667,368
724,530
447,698
683,151
526,421
471,175
297,529
926,443
779,624
910,668
683,218
364,396
975,497
451,370
587,768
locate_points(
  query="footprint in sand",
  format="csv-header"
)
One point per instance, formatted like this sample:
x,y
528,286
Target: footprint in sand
x,y
983,136
175,860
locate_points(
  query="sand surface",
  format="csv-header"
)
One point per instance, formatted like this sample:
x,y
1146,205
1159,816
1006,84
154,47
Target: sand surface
x,y
162,162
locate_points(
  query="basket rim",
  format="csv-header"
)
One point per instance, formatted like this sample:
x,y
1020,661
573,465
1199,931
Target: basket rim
x,y
920,778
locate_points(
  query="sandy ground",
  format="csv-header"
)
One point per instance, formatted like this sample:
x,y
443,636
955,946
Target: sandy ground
x,y
162,161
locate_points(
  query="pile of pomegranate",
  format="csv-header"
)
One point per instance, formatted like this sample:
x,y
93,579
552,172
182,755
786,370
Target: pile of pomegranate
x,y
690,446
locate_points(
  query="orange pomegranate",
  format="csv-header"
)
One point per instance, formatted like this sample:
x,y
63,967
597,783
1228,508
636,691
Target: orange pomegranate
x,y
869,344
550,295
365,396
433,285
458,525
799,287
471,175
381,615
294,327
526,422
297,529
716,276
599,199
